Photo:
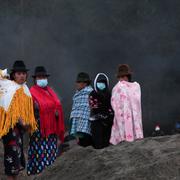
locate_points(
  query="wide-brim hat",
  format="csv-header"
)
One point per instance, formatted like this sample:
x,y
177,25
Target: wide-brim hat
x,y
40,71
124,70
83,77
19,66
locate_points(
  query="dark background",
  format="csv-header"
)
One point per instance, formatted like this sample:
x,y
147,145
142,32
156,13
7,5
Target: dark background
x,y
69,36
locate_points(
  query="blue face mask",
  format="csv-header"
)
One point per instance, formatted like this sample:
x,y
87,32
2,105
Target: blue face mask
x,y
101,85
42,82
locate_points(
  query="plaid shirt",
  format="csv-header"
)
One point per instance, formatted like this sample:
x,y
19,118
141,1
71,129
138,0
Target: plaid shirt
x,y
80,113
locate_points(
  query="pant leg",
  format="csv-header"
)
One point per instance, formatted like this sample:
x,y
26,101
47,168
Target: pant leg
x,y
85,140
97,134
106,134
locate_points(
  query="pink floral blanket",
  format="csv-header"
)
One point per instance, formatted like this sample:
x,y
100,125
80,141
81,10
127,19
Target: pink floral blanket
x,y
126,103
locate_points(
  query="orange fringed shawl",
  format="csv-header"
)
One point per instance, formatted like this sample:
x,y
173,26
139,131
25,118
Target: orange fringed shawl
x,y
15,104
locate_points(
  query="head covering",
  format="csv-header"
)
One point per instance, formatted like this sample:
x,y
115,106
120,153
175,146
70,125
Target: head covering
x,y
124,70
83,77
104,95
40,71
101,77
19,66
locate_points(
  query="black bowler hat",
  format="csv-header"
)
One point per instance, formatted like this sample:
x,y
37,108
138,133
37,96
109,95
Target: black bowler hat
x,y
83,77
19,66
40,71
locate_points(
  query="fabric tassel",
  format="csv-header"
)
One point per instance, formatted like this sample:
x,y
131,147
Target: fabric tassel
x,y
20,109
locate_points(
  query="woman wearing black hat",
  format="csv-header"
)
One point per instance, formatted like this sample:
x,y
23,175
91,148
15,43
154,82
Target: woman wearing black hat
x,y
101,112
49,116
17,115
80,114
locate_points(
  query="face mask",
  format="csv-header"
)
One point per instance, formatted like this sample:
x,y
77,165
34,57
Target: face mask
x,y
42,82
101,86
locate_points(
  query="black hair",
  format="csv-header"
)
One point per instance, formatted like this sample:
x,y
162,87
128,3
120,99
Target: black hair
x,y
12,76
87,82
13,73
129,77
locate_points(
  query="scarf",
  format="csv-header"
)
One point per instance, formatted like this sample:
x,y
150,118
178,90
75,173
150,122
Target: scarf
x,y
15,104
49,105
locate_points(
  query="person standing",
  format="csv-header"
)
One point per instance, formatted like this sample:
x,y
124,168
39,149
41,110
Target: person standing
x,y
80,113
16,116
43,143
126,103
101,112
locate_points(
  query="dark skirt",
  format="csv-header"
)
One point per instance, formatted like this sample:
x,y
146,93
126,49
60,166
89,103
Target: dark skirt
x,y
42,152
101,132
14,160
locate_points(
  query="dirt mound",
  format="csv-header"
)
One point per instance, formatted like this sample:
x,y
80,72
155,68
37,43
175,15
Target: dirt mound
x,y
149,159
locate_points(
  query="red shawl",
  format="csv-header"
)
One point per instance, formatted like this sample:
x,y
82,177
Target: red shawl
x,y
49,104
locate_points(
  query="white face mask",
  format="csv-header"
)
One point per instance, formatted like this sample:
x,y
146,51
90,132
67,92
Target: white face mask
x,y
42,82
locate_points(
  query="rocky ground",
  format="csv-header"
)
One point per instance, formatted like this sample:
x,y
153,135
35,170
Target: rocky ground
x,y
149,159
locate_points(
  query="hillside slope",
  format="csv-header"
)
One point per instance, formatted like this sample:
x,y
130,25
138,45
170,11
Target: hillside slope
x,y
148,159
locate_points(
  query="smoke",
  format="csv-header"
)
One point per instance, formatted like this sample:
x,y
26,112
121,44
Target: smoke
x,y
68,37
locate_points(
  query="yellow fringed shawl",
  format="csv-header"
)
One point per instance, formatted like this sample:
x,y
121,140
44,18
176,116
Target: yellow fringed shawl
x,y
20,108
